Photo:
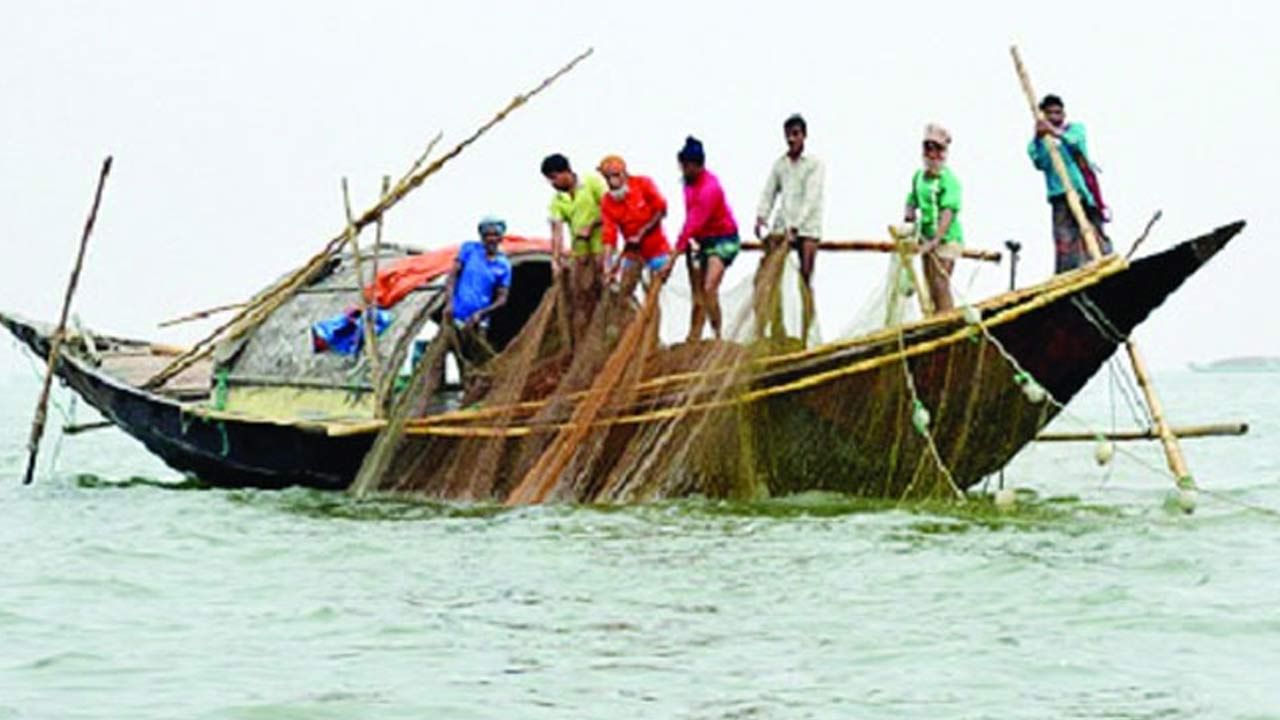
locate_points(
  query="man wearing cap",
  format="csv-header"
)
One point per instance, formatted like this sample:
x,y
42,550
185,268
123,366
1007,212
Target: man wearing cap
x,y
934,199
794,190
576,206
709,236
1069,247
480,280
633,209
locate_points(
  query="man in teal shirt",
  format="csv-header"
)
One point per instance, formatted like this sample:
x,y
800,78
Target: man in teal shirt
x,y
935,199
1069,248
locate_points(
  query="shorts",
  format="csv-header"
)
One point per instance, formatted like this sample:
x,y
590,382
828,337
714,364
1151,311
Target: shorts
x,y
655,264
725,247
583,248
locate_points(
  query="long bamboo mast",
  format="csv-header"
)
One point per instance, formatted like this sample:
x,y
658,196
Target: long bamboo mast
x,y
1059,165
268,301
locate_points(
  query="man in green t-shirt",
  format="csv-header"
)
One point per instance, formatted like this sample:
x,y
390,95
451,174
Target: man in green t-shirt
x,y
935,199
576,206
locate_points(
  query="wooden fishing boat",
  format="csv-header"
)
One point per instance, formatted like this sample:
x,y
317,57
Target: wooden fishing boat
x,y
977,373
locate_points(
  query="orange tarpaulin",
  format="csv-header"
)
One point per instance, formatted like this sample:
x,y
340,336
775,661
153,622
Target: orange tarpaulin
x,y
400,278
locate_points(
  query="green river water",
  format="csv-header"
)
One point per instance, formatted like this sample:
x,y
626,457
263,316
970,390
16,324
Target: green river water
x,y
126,592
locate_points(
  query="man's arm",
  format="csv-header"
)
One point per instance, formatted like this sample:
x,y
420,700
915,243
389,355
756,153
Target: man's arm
x,y
557,243
945,218
1073,138
653,197
448,289
768,197
610,232
811,211
499,299
696,213
650,225
1039,154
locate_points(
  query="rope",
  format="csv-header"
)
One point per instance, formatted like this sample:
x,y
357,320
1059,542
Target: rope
x,y
805,383
1130,394
1155,469
1098,319
917,405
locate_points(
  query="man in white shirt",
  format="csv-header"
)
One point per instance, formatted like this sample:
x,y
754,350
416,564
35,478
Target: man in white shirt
x,y
794,190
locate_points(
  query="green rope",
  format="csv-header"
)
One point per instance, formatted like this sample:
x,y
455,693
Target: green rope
x,y
220,389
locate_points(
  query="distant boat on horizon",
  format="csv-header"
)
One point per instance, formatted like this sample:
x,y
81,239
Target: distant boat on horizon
x,y
1246,364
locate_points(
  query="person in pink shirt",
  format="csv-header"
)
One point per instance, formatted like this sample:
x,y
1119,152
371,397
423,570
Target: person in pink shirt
x,y
709,237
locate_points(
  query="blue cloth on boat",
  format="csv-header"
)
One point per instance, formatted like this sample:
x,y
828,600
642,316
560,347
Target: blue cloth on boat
x,y
479,278
344,334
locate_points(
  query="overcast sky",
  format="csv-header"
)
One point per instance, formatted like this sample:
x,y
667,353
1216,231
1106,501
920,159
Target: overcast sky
x,y
233,122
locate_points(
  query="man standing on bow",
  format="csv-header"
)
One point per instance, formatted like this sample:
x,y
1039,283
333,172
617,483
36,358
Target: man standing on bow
x,y
794,189
1068,241
634,209
576,206
709,237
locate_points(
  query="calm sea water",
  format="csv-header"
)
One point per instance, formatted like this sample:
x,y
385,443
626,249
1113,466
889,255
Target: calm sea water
x,y
127,592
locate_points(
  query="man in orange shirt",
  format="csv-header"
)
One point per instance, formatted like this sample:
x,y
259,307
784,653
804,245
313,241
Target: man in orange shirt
x,y
634,209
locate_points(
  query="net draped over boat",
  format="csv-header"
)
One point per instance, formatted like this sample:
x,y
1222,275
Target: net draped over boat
x,y
621,417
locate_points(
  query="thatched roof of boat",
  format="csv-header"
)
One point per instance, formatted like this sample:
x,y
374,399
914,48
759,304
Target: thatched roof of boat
x,y
279,351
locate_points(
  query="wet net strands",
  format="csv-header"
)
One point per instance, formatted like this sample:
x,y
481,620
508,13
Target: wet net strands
x,y
750,417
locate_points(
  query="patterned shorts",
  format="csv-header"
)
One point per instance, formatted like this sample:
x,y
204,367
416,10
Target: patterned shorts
x,y
725,247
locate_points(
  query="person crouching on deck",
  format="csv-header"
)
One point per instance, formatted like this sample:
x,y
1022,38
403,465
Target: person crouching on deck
x,y
576,205
634,209
709,238
480,280
935,198
1069,248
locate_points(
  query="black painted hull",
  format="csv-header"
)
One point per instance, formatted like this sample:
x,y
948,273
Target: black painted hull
x,y
1057,344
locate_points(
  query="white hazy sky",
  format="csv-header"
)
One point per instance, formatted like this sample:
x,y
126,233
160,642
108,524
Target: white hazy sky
x,y
233,122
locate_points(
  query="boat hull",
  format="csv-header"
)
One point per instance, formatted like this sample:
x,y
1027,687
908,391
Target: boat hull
x,y
971,384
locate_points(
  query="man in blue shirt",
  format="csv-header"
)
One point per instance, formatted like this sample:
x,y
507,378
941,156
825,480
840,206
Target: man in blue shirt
x,y
1069,248
480,279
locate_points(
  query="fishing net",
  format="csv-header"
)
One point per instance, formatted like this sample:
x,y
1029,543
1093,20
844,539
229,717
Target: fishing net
x,y
625,413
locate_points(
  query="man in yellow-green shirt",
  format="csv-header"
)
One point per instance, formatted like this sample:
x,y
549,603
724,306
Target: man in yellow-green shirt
x,y
576,207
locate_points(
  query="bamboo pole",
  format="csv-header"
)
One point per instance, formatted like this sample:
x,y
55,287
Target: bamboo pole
x,y
271,299
86,427
1059,165
367,321
55,342
882,246
1173,452
1186,432
377,253
1143,237
201,314
537,484
906,251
